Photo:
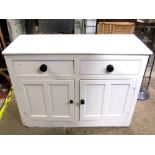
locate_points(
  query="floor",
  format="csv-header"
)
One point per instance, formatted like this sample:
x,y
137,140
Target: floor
x,y
143,122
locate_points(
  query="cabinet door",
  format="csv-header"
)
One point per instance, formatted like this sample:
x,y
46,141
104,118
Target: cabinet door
x,y
105,99
48,100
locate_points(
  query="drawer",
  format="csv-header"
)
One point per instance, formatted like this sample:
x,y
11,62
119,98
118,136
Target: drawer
x,y
53,67
100,67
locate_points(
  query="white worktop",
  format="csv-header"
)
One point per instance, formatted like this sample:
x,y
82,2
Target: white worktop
x,y
125,44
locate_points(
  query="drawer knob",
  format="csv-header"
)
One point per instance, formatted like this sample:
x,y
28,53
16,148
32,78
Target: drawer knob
x,y
71,101
110,68
43,68
82,101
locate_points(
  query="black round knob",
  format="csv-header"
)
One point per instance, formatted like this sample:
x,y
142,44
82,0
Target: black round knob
x,y
43,68
71,101
82,101
110,68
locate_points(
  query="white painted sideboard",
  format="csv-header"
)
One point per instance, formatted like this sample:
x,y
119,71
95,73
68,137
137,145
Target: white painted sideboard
x,y
76,80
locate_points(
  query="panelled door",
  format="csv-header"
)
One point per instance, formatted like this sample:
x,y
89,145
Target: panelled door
x,y
48,100
103,99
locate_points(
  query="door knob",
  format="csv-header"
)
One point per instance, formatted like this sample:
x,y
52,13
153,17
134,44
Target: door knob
x,y
82,101
43,68
71,101
110,68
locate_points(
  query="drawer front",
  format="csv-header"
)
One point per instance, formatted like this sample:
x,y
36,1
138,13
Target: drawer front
x,y
53,67
99,67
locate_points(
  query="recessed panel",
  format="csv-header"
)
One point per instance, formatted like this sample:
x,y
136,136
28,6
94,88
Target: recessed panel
x,y
94,99
36,99
60,100
118,98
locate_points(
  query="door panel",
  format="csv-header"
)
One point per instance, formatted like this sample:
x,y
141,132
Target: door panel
x,y
119,98
90,107
35,99
48,100
93,92
61,92
59,95
105,99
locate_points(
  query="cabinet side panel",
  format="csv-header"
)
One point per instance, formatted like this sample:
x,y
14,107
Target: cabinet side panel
x,y
17,91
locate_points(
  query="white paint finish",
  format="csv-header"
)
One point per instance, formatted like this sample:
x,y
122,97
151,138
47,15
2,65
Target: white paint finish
x,y
60,93
53,67
90,30
91,22
125,44
48,100
96,119
62,57
94,105
105,99
117,100
35,99
93,93
98,123
67,86
119,96
99,67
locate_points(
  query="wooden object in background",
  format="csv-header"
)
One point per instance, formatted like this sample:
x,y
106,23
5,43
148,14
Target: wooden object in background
x,y
115,27
4,74
2,38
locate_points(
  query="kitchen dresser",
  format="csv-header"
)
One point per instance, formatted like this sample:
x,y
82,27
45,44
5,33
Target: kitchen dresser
x,y
76,80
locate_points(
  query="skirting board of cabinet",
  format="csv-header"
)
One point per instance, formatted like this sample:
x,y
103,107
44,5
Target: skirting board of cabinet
x,y
49,124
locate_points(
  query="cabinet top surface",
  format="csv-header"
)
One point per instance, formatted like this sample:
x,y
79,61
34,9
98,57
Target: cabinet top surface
x,y
125,44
